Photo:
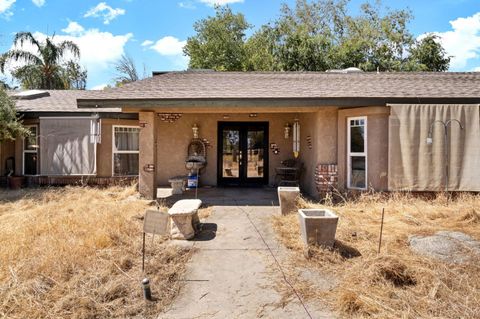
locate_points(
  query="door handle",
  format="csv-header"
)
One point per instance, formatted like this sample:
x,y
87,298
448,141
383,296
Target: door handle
x,y
240,157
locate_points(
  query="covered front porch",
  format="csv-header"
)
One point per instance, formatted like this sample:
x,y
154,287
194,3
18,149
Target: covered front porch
x,y
223,196
243,148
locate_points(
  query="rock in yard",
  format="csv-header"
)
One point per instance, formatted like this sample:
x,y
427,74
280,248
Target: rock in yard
x,y
454,247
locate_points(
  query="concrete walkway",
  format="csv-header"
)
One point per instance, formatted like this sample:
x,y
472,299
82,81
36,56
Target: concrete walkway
x,y
234,275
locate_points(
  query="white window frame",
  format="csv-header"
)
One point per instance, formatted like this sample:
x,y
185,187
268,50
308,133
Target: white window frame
x,y
34,151
114,151
356,154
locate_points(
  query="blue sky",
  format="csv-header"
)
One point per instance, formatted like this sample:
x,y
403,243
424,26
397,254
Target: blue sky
x,y
153,31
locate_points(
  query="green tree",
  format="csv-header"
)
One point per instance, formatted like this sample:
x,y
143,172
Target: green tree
x,y
219,42
429,55
259,51
305,36
320,35
10,123
373,41
315,35
45,68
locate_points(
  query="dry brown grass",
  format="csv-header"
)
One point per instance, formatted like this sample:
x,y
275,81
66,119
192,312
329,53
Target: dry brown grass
x,y
396,283
75,252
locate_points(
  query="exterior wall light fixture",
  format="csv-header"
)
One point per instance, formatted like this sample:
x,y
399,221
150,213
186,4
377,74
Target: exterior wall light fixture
x,y
287,128
195,130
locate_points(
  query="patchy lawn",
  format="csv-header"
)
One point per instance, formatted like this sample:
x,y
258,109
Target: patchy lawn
x,y
396,283
75,252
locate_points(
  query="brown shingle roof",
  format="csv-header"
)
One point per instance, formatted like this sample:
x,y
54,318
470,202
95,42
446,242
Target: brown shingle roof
x,y
190,85
56,101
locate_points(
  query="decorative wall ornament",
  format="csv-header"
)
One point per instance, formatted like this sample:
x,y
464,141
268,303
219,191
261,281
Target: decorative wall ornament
x,y
274,148
309,142
169,117
296,138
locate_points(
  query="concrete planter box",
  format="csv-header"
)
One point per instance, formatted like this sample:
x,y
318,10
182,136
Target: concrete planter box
x,y
318,226
287,197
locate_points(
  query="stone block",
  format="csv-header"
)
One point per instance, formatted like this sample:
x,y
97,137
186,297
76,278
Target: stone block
x,y
287,197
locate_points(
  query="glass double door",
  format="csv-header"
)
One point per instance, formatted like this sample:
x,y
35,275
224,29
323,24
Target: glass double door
x,y
243,153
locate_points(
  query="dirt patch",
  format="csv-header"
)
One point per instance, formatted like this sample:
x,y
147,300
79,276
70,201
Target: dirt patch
x,y
75,252
397,283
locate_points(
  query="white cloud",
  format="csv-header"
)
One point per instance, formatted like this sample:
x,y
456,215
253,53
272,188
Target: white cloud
x,y
220,2
187,5
103,10
477,69
98,50
74,28
99,87
171,48
5,6
38,3
147,43
463,41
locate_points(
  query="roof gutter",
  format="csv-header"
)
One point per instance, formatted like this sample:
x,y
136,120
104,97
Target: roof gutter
x,y
263,102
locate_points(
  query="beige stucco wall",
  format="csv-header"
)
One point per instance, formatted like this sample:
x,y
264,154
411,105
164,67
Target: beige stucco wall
x,y
377,145
173,139
7,149
321,126
104,149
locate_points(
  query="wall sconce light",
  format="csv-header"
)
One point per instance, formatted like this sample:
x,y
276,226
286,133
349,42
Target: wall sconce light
x,y
226,116
287,129
195,130
142,124
253,115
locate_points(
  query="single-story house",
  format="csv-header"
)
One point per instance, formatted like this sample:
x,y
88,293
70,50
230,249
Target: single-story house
x,y
351,130
67,144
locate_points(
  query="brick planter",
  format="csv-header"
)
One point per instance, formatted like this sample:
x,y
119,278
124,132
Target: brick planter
x,y
326,178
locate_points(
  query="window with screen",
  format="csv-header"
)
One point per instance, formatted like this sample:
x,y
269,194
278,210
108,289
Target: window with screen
x,y
125,150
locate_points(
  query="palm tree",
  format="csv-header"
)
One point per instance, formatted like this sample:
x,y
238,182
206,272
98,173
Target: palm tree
x,y
44,69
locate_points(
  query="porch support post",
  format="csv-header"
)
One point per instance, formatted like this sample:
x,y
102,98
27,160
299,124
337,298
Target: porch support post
x,y
147,183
